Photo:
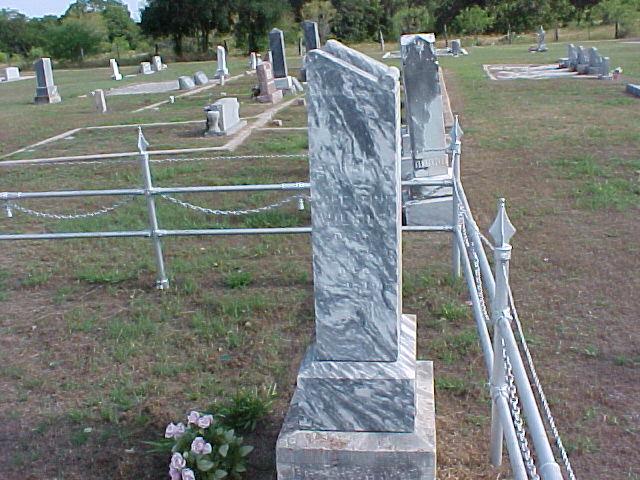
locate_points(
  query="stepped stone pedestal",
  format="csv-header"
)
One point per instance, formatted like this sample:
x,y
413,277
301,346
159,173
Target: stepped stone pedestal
x,y
363,407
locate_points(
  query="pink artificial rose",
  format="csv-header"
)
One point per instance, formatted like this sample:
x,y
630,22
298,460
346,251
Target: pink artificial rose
x,y
193,417
205,421
200,446
177,461
174,474
174,431
187,474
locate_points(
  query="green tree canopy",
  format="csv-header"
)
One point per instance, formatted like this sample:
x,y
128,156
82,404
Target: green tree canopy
x,y
254,20
412,20
323,13
473,20
77,36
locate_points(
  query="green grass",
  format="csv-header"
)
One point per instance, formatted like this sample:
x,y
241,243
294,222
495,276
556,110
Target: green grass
x,y
238,279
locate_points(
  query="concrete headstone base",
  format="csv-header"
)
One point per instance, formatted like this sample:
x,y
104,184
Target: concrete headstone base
x,y
633,89
430,211
230,131
324,455
47,95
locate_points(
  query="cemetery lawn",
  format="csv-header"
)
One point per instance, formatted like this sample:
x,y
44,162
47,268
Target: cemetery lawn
x,y
94,361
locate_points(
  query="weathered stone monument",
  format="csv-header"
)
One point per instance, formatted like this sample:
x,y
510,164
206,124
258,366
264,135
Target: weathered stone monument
x,y
455,47
99,101
186,83
156,64
200,78
381,39
11,74
145,68
363,407
424,113
583,60
115,70
311,35
223,117
253,61
268,91
278,55
542,46
222,70
46,90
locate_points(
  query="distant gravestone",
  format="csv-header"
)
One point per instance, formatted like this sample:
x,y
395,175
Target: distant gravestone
x,y
200,78
268,91
300,46
363,407
311,35
542,46
455,47
186,83
156,64
223,117
278,55
424,107
11,74
222,70
253,61
46,91
145,68
99,101
115,70
381,39
572,57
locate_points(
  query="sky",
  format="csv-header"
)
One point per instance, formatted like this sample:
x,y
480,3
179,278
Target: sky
x,y
40,8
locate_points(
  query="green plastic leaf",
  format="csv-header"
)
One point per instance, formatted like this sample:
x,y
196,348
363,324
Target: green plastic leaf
x,y
220,474
228,435
224,449
240,468
246,450
205,465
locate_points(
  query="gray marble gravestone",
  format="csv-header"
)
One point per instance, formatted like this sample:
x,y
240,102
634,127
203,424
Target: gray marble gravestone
x,y
542,46
583,60
200,78
278,54
115,70
253,61
223,117
268,91
455,47
222,70
186,83
423,101
363,407
46,91
311,35
156,64
572,57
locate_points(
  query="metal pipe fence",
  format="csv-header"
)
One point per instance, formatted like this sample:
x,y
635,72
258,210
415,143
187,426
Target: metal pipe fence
x,y
516,391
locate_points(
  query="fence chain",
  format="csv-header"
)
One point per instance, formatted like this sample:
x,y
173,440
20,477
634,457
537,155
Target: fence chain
x,y
477,274
209,211
518,422
539,390
9,206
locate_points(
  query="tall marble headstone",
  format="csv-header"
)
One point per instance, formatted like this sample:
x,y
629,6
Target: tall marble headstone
x,y
222,70
542,46
253,61
423,101
268,91
311,35
99,101
46,90
115,69
278,55
363,404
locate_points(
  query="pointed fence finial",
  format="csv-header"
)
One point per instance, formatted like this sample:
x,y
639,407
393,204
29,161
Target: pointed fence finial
x,y
502,229
142,142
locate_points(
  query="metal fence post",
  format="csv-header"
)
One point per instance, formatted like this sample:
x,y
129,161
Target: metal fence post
x,y
501,231
162,282
456,134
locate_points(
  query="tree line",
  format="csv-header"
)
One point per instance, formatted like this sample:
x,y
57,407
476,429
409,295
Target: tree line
x,y
99,26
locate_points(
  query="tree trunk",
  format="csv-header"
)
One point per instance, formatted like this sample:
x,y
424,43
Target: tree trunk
x,y
616,33
177,45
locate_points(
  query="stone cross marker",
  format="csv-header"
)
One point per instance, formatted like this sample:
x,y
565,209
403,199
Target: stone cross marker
x,y
46,91
278,55
115,70
311,35
268,91
362,408
423,100
222,70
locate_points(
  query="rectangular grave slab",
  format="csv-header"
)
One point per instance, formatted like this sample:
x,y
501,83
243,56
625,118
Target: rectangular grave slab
x,y
278,55
11,74
46,90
